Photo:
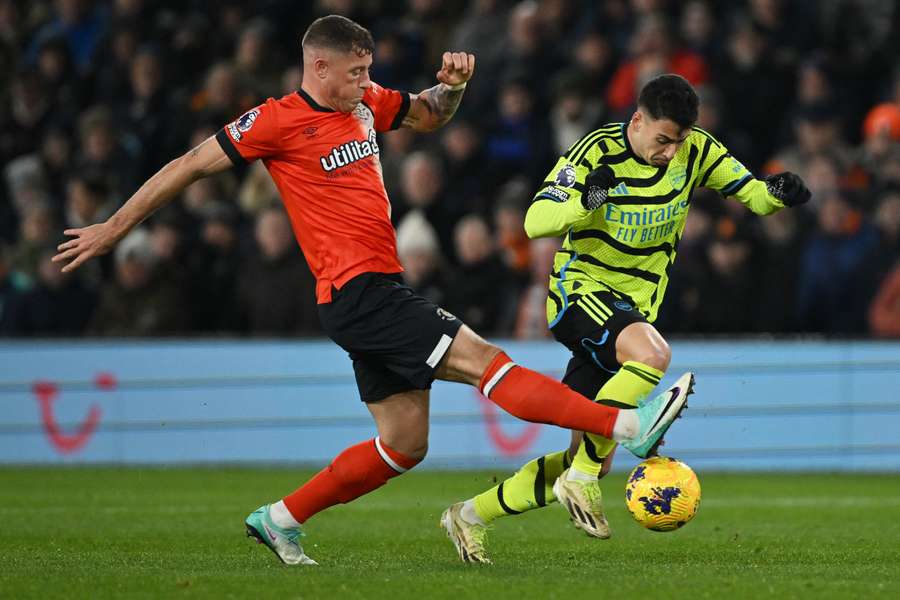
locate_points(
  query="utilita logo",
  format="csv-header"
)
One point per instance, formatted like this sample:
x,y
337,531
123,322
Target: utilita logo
x,y
345,154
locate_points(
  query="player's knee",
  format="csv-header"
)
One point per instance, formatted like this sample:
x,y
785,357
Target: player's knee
x,y
658,356
487,352
418,453
412,444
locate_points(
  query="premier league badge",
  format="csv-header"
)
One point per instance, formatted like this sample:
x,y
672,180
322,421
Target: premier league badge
x,y
566,176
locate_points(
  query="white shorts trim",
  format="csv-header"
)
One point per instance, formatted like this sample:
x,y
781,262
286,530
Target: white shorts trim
x,y
439,351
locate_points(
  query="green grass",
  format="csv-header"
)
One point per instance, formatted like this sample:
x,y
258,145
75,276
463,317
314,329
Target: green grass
x,y
112,533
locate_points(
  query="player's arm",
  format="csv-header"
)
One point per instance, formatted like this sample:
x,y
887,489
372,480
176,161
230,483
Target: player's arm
x,y
431,109
570,194
95,240
728,176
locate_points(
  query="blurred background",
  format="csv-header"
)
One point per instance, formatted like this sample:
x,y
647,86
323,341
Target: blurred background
x,y
96,96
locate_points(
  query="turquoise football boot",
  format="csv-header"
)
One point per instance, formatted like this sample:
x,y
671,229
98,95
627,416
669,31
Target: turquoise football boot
x,y
656,416
283,542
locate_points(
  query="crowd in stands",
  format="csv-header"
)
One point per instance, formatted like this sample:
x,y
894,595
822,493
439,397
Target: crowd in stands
x,y
96,96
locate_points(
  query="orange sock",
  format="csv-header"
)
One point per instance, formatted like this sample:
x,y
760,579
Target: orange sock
x,y
354,472
534,397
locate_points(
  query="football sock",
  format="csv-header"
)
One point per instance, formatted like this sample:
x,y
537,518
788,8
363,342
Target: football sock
x,y
469,514
574,474
354,472
534,397
281,516
628,387
530,487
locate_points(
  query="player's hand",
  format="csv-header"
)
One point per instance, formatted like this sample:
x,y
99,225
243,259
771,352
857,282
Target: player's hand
x,y
87,242
789,188
597,185
457,68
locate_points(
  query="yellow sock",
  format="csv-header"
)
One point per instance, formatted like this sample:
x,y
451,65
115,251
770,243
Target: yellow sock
x,y
627,388
531,487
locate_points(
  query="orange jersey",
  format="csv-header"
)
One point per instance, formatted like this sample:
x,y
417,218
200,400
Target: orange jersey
x,y
326,167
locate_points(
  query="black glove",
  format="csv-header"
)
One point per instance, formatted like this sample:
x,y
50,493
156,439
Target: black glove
x,y
597,184
788,188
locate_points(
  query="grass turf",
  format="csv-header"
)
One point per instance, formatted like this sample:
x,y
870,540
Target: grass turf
x,y
156,533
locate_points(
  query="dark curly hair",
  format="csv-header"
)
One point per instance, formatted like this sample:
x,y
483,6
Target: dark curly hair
x,y
670,97
335,32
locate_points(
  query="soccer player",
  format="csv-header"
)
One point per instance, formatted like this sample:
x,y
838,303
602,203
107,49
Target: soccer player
x,y
320,147
620,196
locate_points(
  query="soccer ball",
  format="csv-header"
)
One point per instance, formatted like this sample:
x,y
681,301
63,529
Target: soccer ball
x,y
662,493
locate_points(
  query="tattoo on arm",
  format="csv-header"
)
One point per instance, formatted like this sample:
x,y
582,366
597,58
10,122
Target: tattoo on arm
x,y
439,102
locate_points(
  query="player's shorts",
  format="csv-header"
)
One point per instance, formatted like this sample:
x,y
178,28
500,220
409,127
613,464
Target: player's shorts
x,y
394,337
589,328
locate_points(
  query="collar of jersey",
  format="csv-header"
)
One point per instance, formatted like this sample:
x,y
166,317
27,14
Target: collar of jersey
x,y
628,149
312,103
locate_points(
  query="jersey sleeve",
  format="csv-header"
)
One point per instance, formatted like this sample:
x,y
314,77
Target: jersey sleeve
x,y
390,106
557,204
253,135
722,172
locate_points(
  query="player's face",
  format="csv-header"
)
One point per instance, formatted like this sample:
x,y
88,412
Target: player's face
x,y
347,79
658,139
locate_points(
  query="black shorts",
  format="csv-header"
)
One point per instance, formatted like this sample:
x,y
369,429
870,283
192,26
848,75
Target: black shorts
x,y
590,332
394,337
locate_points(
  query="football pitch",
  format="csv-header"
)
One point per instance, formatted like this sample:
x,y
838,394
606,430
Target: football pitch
x,y
172,533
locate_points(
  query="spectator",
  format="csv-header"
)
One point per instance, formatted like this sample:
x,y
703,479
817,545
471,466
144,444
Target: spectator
x,y
531,320
699,29
102,148
784,237
752,86
595,63
214,272
54,63
575,110
80,23
726,294
112,77
24,117
57,305
38,230
9,291
419,253
148,115
509,224
87,200
254,68
101,94
463,153
481,291
831,288
137,303
422,184
653,52
884,314
276,289
220,100
817,130
520,141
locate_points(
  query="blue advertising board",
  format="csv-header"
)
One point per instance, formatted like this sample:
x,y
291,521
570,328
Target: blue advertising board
x,y
758,405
